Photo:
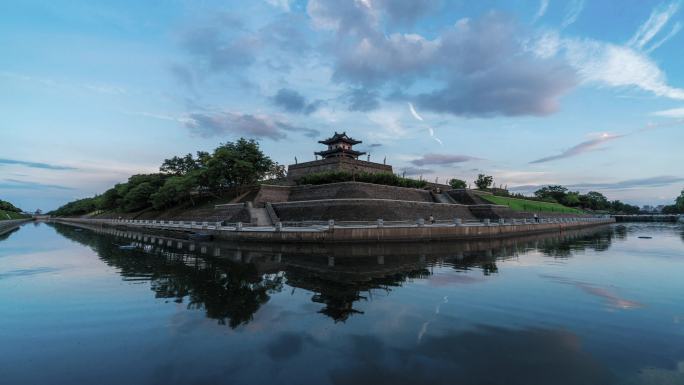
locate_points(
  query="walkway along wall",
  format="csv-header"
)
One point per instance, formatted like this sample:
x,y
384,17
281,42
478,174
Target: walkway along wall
x,y
351,234
9,225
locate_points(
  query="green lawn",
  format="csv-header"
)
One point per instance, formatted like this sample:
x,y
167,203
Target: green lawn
x,y
5,215
527,205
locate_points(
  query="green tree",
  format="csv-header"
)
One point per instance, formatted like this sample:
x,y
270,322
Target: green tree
x,y
595,201
679,202
277,171
237,164
182,165
138,197
457,183
571,199
483,181
110,200
553,193
176,189
6,206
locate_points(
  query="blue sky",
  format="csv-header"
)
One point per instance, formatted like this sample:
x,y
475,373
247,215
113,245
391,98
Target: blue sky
x,y
588,94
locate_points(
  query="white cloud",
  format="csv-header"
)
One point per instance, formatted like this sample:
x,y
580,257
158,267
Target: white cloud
x,y
658,19
547,45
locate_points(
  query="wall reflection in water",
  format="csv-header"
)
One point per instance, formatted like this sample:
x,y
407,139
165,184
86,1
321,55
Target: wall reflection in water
x,y
231,282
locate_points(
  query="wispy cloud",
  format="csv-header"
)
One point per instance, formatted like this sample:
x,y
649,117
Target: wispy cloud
x,y
581,148
655,23
671,113
675,30
618,66
656,181
442,159
543,6
430,130
40,165
283,5
414,112
221,123
412,171
641,183
572,12
28,185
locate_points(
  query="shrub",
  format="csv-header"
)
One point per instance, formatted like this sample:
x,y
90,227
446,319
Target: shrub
x,y
457,183
386,179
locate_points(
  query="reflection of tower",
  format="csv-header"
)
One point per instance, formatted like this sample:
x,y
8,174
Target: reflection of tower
x,y
339,306
338,289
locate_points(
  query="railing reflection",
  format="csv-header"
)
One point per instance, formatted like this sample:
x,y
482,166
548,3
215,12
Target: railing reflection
x,y
231,282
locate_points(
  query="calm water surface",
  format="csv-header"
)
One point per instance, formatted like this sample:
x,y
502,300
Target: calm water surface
x,y
595,307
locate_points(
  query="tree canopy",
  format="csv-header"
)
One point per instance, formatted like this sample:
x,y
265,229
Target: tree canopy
x,y
6,206
180,178
457,183
483,181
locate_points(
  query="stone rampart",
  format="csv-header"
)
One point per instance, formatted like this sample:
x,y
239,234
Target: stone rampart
x,y
295,171
368,210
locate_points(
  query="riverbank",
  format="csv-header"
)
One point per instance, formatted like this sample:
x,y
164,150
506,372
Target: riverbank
x,y
332,232
10,224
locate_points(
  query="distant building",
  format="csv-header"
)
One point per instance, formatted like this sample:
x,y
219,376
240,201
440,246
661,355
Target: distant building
x,y
339,156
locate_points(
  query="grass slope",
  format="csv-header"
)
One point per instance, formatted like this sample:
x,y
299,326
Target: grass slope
x,y
528,205
5,215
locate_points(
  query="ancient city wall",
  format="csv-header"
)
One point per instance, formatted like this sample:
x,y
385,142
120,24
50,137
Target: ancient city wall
x,y
342,190
368,210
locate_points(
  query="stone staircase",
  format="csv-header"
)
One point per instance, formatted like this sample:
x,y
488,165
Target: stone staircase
x,y
443,198
259,216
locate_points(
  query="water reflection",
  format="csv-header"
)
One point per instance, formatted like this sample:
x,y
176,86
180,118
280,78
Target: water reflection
x,y
551,309
6,234
231,282
484,355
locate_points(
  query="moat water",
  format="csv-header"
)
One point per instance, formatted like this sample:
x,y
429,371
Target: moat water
x,y
598,306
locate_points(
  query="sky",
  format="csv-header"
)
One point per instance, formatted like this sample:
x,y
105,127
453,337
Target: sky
x,y
587,94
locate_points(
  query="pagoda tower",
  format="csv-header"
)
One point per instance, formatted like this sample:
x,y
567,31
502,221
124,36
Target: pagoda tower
x,y
340,145
339,156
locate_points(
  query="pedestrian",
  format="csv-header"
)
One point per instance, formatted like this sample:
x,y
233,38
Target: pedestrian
x,y
536,218
431,219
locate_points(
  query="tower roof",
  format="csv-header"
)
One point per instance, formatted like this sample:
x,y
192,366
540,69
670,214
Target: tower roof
x,y
339,152
340,138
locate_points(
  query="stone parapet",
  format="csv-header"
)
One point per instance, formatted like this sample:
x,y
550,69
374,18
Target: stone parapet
x,y
295,171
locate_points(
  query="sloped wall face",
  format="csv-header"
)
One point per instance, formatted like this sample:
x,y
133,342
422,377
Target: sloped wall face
x,y
295,171
346,190
497,212
368,210
269,193
233,213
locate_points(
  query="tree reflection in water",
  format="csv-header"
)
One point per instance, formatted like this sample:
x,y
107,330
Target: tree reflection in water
x,y
231,282
229,292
